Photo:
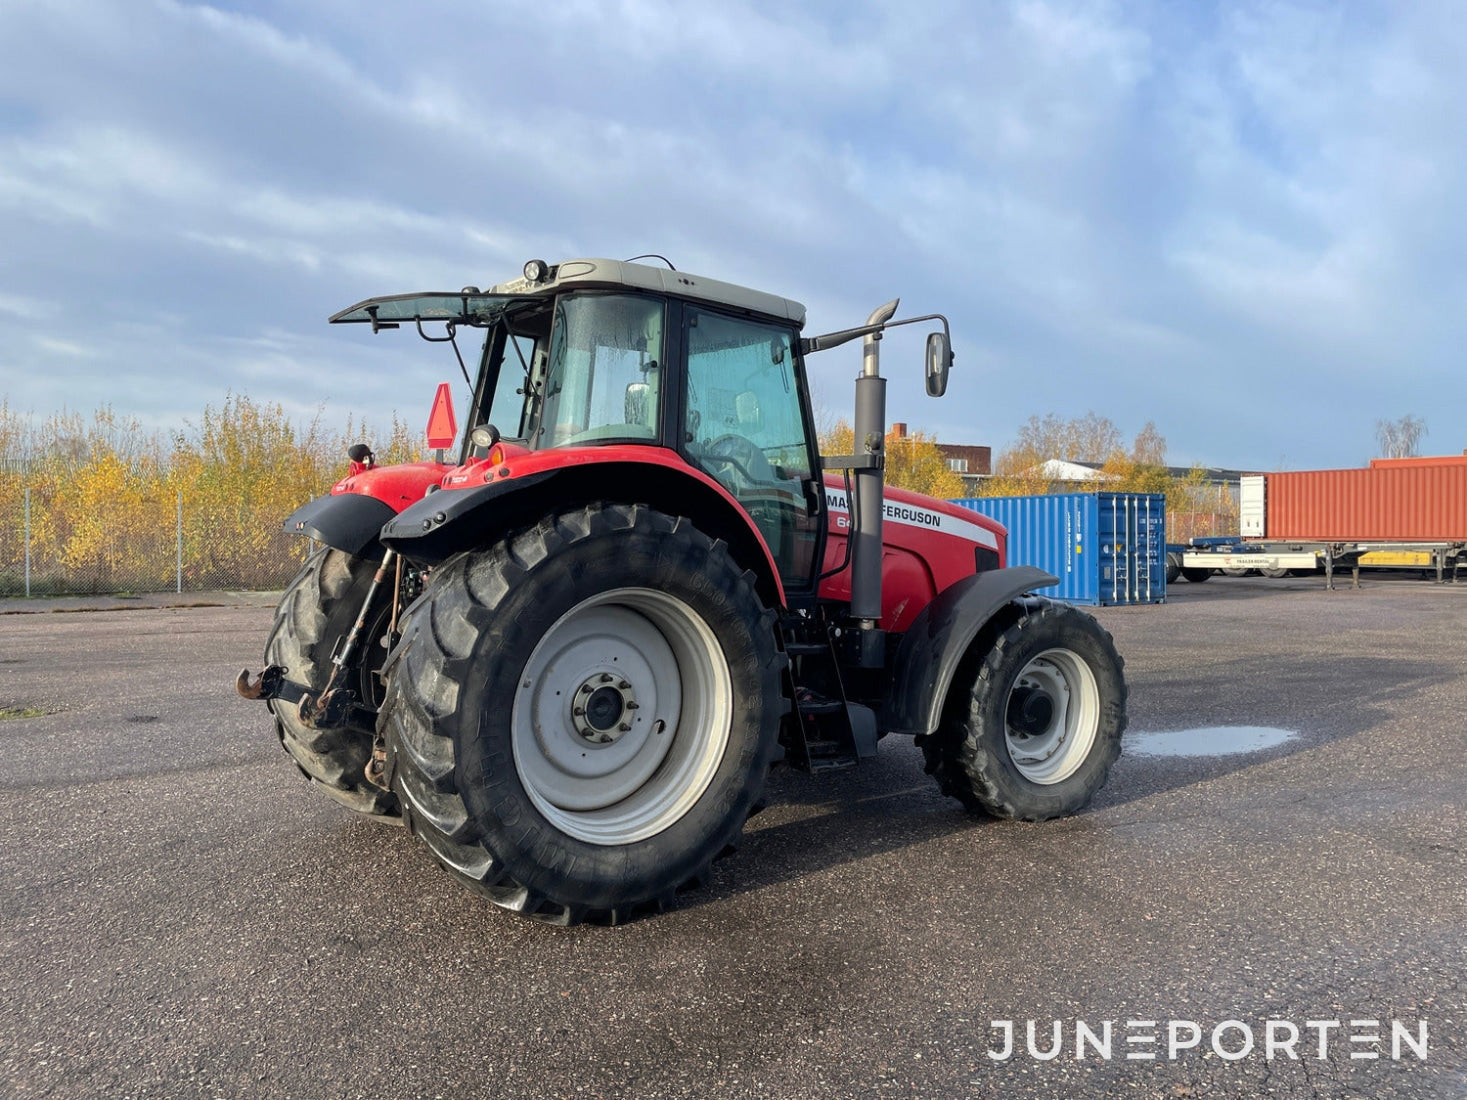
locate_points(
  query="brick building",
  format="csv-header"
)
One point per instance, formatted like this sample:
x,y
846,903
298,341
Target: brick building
x,y
967,461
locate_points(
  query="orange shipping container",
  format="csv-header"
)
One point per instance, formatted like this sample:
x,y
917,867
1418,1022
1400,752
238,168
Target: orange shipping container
x,y
1429,460
1399,501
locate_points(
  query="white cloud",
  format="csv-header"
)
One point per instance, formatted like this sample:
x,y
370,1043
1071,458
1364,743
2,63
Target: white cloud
x,y
1110,201
28,309
67,348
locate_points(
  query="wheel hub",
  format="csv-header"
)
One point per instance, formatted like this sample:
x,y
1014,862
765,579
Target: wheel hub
x,y
1052,715
1031,710
602,708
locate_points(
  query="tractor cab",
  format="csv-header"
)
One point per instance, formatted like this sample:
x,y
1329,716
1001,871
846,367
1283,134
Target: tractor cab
x,y
581,359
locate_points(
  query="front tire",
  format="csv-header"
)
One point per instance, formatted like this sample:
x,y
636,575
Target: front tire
x,y
580,718
317,610
1033,726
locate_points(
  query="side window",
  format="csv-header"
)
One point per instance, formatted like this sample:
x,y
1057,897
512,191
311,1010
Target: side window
x,y
506,412
746,428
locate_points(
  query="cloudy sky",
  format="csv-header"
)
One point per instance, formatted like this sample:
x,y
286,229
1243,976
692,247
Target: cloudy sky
x,y
1242,221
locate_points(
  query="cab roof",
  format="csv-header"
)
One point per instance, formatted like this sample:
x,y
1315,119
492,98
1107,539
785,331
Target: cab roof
x,y
473,305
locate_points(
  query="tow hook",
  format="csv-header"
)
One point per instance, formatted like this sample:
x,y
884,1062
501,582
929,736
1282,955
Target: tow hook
x,y
265,686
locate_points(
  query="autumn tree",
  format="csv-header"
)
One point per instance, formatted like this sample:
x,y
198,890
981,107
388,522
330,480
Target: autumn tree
x,y
105,491
913,461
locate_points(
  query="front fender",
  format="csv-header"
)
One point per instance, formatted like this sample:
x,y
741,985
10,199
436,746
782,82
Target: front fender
x,y
443,523
939,637
452,520
346,521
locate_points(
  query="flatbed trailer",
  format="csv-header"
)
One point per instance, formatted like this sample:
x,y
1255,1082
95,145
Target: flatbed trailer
x,y
1396,514
1200,558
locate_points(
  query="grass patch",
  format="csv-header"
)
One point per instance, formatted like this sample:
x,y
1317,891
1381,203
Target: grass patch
x,y
7,713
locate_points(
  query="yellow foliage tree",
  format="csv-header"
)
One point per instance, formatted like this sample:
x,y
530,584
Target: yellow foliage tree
x,y
912,461
105,495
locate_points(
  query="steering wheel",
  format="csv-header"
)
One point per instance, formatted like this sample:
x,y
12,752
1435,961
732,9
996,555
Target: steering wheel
x,y
746,459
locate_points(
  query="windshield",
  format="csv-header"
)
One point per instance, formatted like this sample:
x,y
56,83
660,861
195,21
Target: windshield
x,y
583,368
603,375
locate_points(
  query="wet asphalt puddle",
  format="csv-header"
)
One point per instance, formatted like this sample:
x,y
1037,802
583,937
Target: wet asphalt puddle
x,y
1207,741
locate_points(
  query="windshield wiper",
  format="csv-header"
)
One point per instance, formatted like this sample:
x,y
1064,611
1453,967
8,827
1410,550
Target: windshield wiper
x,y
450,338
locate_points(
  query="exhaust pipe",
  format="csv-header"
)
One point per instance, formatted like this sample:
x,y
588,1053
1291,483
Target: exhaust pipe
x,y
868,509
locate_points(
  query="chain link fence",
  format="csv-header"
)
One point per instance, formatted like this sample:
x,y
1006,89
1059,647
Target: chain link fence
x,y
150,543
1185,526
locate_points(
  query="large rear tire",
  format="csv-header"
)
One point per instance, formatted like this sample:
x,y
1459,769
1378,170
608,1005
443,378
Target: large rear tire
x,y
1033,725
580,718
317,610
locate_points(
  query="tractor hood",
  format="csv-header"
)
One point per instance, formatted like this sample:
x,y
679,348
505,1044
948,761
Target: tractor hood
x,y
927,546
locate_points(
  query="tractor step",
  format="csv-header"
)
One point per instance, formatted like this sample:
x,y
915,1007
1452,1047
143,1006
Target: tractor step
x,y
806,649
826,732
828,756
815,704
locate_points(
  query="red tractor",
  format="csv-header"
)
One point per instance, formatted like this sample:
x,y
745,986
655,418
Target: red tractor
x,y
569,660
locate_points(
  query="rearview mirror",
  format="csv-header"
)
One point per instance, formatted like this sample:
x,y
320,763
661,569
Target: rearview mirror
x,y
637,400
939,359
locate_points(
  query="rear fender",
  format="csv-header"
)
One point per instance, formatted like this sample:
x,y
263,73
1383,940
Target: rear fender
x,y
454,520
939,638
346,521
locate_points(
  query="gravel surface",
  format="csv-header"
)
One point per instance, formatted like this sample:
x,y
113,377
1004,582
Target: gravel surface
x,y
183,916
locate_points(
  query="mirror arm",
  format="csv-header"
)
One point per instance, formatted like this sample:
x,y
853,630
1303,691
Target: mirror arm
x,y
834,339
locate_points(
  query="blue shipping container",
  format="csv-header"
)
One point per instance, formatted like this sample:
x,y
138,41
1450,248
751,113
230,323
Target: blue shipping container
x,y
1106,548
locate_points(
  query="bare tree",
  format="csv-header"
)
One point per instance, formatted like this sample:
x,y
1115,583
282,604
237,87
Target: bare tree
x,y
1150,446
1400,438
1089,438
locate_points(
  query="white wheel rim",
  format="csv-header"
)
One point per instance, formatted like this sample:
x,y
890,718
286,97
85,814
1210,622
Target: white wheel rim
x,y
621,716
1049,747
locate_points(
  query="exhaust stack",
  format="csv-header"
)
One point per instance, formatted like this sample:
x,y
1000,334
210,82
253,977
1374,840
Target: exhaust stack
x,y
867,510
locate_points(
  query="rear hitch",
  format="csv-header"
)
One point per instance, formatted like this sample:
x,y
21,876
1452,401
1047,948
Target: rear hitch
x,y
336,709
266,686
336,706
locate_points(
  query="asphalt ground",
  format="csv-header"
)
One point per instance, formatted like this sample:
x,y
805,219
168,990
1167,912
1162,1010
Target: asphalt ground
x,y
183,916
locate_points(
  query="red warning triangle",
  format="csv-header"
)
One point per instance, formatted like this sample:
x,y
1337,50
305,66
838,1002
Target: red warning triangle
x,y
442,424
